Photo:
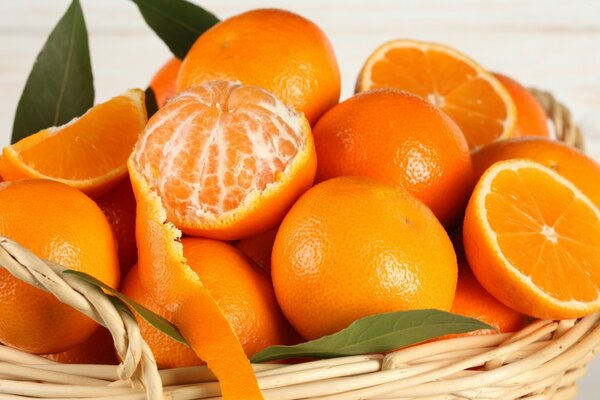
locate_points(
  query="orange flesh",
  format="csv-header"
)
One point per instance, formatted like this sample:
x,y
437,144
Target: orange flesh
x,y
547,236
234,142
447,82
88,147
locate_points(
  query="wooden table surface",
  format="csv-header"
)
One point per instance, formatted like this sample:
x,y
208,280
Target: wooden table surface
x,y
549,44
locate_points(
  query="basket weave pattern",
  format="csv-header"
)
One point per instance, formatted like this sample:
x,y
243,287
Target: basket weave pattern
x,y
541,362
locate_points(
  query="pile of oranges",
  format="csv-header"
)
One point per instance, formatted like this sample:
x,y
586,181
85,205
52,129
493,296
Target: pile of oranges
x,y
255,209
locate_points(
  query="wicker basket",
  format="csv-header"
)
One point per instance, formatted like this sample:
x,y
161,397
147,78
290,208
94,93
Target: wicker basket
x,y
541,362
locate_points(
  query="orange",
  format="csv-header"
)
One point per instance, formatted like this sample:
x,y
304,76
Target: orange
x,y
119,207
98,349
88,153
532,239
352,247
60,224
277,50
259,248
531,117
399,139
569,162
164,81
244,294
227,160
472,97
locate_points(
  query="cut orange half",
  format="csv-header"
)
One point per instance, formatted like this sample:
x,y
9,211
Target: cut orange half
x,y
88,153
227,160
533,240
472,97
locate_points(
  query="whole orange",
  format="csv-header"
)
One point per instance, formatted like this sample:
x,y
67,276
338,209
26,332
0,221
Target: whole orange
x,y
61,224
352,247
163,83
398,138
244,294
280,51
569,162
531,117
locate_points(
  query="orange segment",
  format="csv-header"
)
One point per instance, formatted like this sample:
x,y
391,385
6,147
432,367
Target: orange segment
x,y
89,153
533,241
477,102
164,271
226,160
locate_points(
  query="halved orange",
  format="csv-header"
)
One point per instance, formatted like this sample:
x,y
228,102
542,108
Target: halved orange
x,y
471,96
88,153
227,160
532,239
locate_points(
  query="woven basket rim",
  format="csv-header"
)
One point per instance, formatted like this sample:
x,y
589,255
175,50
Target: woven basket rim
x,y
542,361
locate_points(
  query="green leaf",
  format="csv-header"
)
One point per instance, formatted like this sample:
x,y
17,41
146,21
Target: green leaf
x,y
151,105
60,86
177,22
153,319
376,334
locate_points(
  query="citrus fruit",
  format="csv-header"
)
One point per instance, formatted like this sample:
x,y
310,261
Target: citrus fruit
x,y
88,153
472,97
532,239
164,81
60,224
97,349
569,162
258,248
399,139
352,247
119,207
227,160
531,117
244,294
282,52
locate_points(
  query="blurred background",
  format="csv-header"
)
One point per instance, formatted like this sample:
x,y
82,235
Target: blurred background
x,y
549,44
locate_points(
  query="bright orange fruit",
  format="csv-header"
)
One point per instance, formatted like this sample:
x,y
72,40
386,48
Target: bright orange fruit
x,y
471,96
226,160
352,247
88,153
258,248
398,138
244,294
60,224
532,239
163,83
282,52
531,117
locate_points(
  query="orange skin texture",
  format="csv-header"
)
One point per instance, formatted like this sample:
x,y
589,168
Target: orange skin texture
x,y
163,83
280,51
98,349
259,248
119,207
531,117
569,162
352,247
60,224
397,138
243,293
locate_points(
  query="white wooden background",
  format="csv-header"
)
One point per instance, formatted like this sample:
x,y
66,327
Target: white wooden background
x,y
551,44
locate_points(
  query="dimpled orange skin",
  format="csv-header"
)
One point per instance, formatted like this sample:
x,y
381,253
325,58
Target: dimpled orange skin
x,y
569,162
399,139
258,248
163,83
352,247
61,224
280,51
243,293
531,117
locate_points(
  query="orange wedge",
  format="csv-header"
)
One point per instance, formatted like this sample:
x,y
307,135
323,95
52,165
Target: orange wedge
x,y
532,239
472,97
88,153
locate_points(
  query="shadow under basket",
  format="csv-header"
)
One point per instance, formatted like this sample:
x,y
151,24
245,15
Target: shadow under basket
x,y
541,362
